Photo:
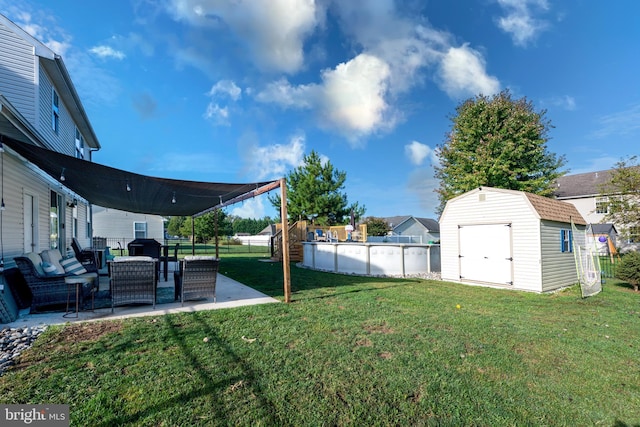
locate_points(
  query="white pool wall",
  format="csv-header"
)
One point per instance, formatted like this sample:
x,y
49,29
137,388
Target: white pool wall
x,y
374,259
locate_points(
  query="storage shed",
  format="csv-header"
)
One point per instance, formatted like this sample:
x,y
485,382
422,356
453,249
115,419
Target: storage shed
x,y
507,238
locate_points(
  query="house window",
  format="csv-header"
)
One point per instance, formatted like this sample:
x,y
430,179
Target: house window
x,y
139,230
79,145
75,220
55,107
602,205
566,240
634,235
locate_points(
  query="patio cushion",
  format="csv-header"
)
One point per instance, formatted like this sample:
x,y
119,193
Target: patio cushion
x,y
53,257
37,262
49,269
73,266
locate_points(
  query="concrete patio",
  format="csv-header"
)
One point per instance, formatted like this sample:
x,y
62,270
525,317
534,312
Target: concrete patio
x,y
229,293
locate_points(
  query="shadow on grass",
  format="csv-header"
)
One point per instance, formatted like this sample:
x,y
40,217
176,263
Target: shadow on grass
x,y
212,388
268,278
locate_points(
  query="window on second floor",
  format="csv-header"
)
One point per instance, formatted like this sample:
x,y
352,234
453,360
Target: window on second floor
x,y
139,230
55,110
602,205
79,145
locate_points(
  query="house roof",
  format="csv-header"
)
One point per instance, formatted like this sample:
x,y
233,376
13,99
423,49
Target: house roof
x,y
581,184
428,223
603,229
118,189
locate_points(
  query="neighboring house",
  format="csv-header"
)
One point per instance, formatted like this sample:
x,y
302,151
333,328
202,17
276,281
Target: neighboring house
x,y
116,226
39,106
584,192
604,238
507,238
410,229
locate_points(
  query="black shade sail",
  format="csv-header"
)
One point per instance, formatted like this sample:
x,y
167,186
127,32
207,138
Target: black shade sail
x,y
118,189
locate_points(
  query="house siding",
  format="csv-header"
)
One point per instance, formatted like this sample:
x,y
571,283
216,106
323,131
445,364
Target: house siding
x,y
558,268
412,228
117,224
18,73
62,141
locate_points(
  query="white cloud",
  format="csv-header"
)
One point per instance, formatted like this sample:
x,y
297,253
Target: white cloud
x,y
565,102
273,161
353,95
350,100
251,208
281,92
417,152
106,52
623,123
217,114
226,87
520,22
274,31
463,73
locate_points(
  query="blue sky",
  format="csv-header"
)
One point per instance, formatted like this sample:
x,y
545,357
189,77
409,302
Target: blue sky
x,y
240,91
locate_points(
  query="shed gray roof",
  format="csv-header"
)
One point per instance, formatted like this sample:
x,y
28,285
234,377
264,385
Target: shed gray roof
x,y
603,229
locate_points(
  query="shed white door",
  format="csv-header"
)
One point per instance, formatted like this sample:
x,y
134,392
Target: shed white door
x,y
485,253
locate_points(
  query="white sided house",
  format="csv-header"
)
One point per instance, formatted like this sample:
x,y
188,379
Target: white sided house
x,y
116,226
511,239
40,107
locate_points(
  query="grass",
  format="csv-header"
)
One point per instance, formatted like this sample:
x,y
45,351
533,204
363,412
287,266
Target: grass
x,y
350,351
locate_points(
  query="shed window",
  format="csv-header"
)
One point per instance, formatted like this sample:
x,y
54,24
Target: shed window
x,y
566,240
139,230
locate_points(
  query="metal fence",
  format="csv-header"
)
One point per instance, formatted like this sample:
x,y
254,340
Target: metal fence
x,y
608,266
118,246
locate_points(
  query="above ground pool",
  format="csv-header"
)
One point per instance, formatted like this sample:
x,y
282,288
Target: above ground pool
x,y
372,259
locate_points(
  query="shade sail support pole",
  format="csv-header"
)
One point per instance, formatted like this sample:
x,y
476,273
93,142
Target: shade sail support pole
x,y
286,268
217,239
193,235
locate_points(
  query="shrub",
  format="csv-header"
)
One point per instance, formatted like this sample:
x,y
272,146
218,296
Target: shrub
x,y
629,269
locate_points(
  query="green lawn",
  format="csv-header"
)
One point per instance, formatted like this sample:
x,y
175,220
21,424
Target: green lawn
x,y
350,351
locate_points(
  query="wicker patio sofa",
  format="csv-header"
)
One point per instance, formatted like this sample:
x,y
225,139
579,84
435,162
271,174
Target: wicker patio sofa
x,y
197,277
46,289
133,280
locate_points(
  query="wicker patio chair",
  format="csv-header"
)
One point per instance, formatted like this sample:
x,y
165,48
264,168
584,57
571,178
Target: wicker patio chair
x,y
45,289
87,256
198,277
133,280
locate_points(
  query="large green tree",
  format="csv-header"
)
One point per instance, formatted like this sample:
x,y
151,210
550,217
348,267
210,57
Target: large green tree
x,y
315,191
205,226
249,225
623,193
497,142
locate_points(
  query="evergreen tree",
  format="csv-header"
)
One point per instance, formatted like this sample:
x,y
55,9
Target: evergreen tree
x,y
314,191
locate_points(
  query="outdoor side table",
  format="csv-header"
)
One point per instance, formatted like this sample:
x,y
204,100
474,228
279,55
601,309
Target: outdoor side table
x,y
77,282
